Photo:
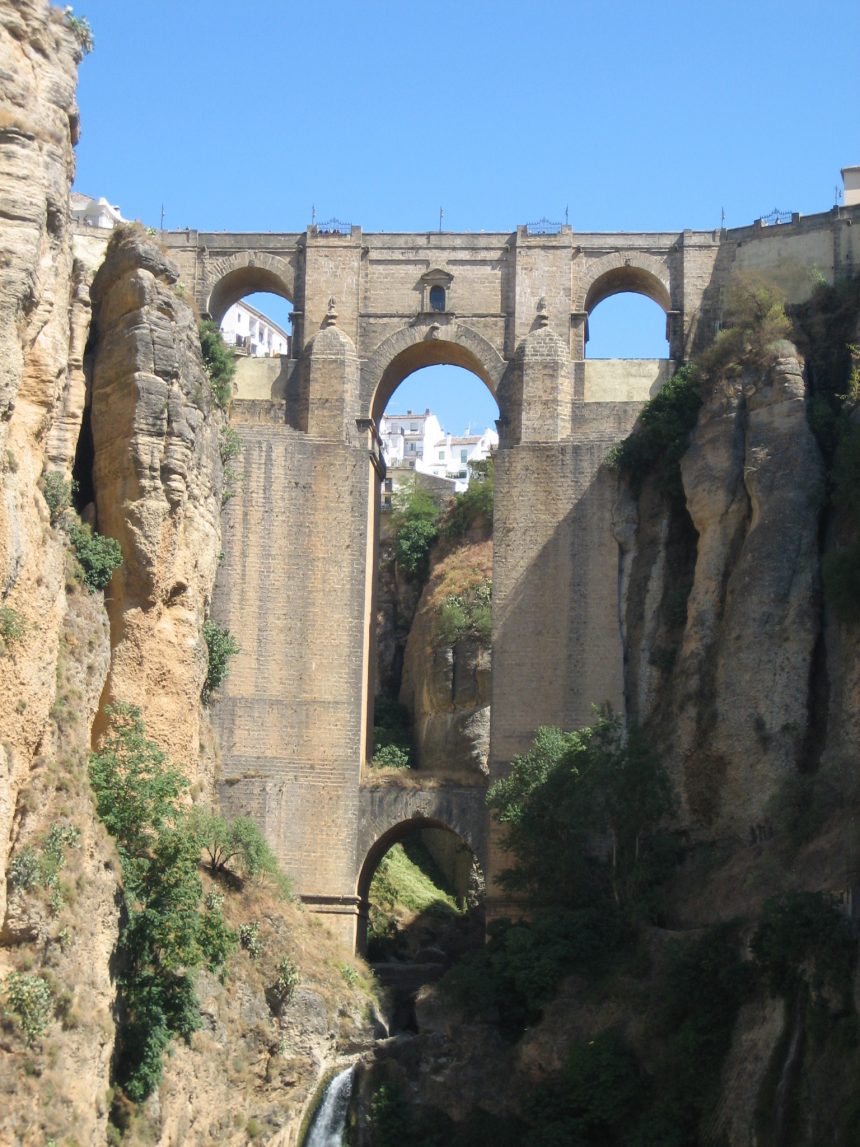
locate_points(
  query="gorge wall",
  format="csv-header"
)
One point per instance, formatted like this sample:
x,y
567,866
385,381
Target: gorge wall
x,y
102,382
698,608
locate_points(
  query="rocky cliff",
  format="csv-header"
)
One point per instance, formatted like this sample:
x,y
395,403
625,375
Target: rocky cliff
x,y
447,667
107,418
737,999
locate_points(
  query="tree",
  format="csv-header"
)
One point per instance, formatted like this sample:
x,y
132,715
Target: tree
x,y
233,845
165,936
416,526
567,792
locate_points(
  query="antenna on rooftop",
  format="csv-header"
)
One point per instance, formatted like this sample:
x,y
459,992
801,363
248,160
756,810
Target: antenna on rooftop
x,y
566,215
313,214
441,214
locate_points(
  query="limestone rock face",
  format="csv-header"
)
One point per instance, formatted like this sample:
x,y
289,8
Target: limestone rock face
x,y
754,486
38,127
447,687
158,477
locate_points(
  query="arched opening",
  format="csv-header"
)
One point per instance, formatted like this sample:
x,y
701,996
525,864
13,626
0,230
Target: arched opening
x,y
242,281
421,897
627,326
431,647
627,315
258,326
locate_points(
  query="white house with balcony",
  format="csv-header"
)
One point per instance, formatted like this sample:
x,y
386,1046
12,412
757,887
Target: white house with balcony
x,y
451,454
407,439
90,212
416,443
251,333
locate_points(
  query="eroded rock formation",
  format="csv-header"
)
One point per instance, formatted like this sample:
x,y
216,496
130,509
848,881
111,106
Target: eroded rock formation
x,y
446,685
158,477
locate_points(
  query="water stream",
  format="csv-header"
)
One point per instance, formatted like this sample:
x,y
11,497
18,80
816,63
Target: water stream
x,y
329,1122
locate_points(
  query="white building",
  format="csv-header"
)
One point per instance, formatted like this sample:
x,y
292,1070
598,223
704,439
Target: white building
x,y
408,439
451,455
252,333
418,442
94,212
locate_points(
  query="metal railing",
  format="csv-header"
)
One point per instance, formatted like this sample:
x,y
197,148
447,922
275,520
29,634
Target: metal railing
x,y
543,227
775,217
334,227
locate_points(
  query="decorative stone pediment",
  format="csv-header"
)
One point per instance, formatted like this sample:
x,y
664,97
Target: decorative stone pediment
x,y
435,285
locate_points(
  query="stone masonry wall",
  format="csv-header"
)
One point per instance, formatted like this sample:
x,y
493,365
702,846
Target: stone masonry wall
x,y
291,589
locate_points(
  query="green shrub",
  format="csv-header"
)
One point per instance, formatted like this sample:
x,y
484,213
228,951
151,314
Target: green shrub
x,y
392,734
702,986
219,361
467,615
40,867
662,433
217,939
804,937
287,981
165,936
391,757
97,555
350,974
390,1123
80,25
474,507
566,789
415,519
220,647
249,939
25,871
58,494
29,1000
230,447
236,845
12,626
519,970
597,1098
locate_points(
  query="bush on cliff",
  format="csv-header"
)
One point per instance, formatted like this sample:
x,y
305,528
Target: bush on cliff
x,y
661,436
473,508
97,556
415,519
236,847
220,647
219,362
567,792
167,933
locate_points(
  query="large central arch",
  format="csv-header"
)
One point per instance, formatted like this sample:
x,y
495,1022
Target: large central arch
x,y
429,344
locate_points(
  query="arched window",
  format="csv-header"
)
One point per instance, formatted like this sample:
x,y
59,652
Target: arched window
x,y
437,298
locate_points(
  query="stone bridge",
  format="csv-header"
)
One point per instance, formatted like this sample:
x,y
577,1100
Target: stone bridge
x,y
298,581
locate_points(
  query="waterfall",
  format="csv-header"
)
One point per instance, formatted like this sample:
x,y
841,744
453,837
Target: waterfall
x,y
329,1122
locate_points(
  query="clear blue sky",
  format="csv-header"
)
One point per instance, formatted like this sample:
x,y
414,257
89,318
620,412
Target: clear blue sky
x,y
634,116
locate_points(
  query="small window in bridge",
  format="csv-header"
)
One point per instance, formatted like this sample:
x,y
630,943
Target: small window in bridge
x,y
437,298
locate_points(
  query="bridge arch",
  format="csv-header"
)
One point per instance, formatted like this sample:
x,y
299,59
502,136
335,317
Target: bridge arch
x,y
618,273
246,273
429,344
391,813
